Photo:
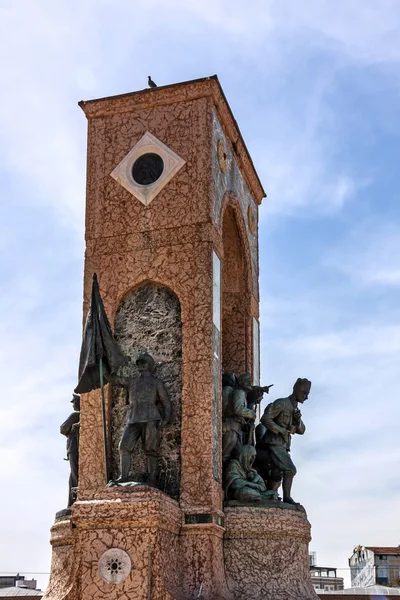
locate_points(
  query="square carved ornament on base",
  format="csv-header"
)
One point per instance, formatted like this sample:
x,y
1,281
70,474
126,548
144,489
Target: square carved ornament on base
x,y
147,168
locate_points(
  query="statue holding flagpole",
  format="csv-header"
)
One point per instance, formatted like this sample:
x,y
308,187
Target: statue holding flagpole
x,y
100,356
149,404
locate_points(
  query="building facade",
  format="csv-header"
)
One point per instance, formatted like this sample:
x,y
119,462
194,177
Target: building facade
x,y
16,586
375,565
324,578
17,580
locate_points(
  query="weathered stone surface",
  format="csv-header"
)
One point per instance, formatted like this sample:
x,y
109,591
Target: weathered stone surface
x,y
149,320
216,422
266,554
170,243
236,346
169,560
63,582
233,181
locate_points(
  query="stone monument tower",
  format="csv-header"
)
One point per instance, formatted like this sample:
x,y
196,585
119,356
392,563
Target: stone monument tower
x,y
172,233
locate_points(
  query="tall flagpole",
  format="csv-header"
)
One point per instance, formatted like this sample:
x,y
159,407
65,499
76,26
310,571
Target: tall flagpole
x,y
103,411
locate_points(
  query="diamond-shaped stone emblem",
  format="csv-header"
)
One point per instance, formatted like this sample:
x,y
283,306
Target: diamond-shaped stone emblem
x,y
147,168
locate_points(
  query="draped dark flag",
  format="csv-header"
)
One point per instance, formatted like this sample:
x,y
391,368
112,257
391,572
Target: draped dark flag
x,y
97,343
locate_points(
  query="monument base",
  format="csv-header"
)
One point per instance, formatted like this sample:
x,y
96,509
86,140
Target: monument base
x,y
133,543
266,554
136,543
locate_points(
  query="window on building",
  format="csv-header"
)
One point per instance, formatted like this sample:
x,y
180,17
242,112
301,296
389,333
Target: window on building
x,y
332,573
329,588
382,576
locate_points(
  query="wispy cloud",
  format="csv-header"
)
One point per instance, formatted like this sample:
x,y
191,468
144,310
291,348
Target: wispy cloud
x,y
349,452
370,255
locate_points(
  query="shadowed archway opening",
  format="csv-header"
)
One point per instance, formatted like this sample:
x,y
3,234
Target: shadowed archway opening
x,y
235,299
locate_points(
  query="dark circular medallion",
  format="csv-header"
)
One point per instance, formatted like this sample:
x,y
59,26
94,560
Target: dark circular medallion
x,y
147,168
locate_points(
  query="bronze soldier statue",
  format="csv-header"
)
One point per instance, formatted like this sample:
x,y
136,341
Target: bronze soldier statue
x,y
144,420
281,419
256,394
235,415
70,428
254,399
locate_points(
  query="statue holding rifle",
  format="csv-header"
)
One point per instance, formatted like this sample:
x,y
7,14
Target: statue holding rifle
x,y
239,401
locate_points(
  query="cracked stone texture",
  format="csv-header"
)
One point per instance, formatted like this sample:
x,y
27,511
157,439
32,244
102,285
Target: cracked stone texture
x,y
216,422
233,181
169,561
63,582
263,554
112,207
236,345
266,554
146,525
149,320
169,243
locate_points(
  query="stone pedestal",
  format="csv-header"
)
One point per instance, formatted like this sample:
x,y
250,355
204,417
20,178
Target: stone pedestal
x,y
63,583
266,554
133,543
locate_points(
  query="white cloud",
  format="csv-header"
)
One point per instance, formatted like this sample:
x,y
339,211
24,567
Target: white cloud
x,y
51,51
370,255
348,455
38,364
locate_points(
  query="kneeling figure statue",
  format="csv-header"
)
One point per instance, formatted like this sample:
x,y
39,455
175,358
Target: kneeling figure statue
x,y
242,482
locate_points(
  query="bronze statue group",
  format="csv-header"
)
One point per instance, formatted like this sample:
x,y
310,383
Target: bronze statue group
x,y
256,460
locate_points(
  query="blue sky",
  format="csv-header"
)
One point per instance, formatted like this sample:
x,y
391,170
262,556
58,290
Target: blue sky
x,y
315,88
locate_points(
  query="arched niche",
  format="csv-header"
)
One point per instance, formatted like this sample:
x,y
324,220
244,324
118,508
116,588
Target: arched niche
x,y
148,319
235,297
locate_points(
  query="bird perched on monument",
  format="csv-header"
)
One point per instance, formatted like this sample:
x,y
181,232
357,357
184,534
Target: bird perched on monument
x,y
151,82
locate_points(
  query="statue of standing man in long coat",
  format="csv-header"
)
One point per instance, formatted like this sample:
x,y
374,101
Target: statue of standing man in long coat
x,y
144,419
70,428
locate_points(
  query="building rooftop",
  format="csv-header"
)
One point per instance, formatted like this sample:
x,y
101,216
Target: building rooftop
x,y
384,549
17,592
323,568
380,591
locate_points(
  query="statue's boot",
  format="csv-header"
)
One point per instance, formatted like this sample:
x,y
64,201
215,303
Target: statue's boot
x,y
152,466
287,487
125,466
289,500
